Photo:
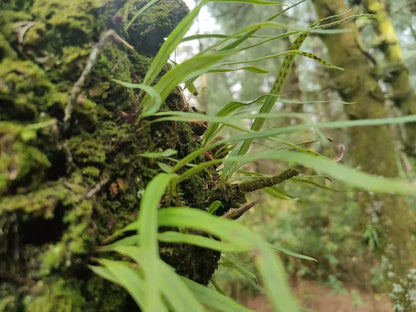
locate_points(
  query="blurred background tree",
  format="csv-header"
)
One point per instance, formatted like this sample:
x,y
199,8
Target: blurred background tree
x,y
359,239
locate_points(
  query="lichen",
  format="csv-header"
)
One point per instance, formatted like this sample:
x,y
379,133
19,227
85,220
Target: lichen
x,y
403,293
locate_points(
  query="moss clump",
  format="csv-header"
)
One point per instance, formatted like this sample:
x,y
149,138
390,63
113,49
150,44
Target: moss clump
x,y
25,90
148,32
20,161
55,295
6,50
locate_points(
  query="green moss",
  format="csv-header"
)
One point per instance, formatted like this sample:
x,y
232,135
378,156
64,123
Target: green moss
x,y
25,90
90,172
140,62
85,150
41,202
8,302
110,296
6,51
71,20
7,18
146,33
56,295
114,64
85,113
72,62
15,4
19,161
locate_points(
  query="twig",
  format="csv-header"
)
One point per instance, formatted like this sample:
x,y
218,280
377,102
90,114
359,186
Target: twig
x,y
92,60
22,28
117,38
341,152
236,213
96,188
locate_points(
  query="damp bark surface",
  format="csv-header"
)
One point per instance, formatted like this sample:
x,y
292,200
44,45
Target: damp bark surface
x,y
64,190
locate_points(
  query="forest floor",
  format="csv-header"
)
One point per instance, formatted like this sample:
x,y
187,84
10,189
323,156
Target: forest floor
x,y
319,298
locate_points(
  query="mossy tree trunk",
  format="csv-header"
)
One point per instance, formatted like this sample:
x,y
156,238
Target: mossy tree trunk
x,y
64,190
396,74
372,150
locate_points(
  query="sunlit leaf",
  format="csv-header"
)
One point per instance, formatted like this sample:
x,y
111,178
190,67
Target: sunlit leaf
x,y
170,44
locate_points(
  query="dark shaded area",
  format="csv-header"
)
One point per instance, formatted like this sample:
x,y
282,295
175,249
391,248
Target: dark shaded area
x,y
40,231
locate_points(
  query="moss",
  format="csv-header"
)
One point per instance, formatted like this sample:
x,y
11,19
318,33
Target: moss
x,y
140,62
55,295
19,161
41,202
69,19
16,4
85,150
148,32
25,90
86,114
6,51
8,18
193,262
8,302
111,297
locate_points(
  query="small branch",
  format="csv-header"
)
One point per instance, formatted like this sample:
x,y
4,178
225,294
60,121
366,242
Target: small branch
x,y
22,28
251,186
92,60
236,213
341,152
96,189
117,38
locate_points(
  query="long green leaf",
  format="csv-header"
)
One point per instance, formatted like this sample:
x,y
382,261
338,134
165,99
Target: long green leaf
x,y
214,299
292,253
350,176
226,120
276,192
140,12
174,290
268,265
275,282
185,71
275,90
253,69
170,44
122,274
180,297
275,131
148,228
153,96
166,153
198,240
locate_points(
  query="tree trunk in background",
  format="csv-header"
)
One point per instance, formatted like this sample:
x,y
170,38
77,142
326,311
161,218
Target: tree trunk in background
x,y
372,150
395,71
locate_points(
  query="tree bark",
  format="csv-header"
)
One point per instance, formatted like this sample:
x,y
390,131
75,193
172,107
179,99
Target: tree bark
x,y
396,73
372,150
